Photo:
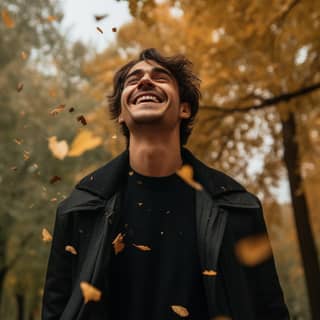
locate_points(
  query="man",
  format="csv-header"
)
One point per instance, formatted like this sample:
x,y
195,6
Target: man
x,y
155,246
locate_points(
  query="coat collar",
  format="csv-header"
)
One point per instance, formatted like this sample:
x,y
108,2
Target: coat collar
x,y
109,178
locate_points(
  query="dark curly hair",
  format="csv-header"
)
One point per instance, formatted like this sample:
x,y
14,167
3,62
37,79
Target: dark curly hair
x,y
181,69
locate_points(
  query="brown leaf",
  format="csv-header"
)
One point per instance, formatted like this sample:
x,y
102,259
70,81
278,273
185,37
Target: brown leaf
x,y
46,235
253,250
18,141
7,20
141,247
57,109
118,244
180,311
82,119
186,173
99,29
89,292
59,149
71,249
114,29
210,273
26,155
23,55
99,17
54,179
19,86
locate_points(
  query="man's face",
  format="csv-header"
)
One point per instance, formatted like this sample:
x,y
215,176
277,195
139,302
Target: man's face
x,y
150,96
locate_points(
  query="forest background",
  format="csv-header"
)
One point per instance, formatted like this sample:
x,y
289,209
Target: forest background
x,y
259,121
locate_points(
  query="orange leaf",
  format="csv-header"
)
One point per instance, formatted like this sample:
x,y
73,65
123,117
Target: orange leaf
x,y
59,149
253,250
180,311
52,18
186,174
23,55
209,273
89,292
57,109
71,249
46,236
7,20
118,244
142,247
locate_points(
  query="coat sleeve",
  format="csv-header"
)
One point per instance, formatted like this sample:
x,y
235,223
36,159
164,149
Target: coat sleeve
x,y
57,288
264,282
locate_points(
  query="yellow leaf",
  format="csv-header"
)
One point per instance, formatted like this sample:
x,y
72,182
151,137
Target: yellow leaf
x,y
180,311
85,140
46,236
142,247
209,273
71,249
186,173
118,244
59,149
7,20
253,250
89,292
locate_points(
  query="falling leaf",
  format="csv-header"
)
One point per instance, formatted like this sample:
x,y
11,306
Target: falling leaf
x,y
71,249
57,109
253,250
180,311
19,86
186,173
114,29
99,29
46,235
59,149
26,155
54,179
71,109
84,141
14,168
142,247
210,273
82,119
18,141
7,20
99,17
118,244
52,18
23,55
53,200
89,292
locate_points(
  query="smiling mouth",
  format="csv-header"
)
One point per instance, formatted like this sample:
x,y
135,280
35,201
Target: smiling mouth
x,y
147,98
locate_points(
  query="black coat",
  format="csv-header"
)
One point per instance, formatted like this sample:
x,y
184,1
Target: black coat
x,y
225,213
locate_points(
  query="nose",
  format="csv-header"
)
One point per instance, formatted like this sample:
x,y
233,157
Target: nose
x,y
145,82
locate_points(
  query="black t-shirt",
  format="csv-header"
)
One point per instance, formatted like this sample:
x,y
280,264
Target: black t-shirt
x,y
159,266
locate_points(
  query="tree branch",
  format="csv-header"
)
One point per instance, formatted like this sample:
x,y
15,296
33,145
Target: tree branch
x,y
269,102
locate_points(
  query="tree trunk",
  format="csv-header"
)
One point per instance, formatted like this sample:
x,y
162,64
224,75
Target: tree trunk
x,y
301,215
20,306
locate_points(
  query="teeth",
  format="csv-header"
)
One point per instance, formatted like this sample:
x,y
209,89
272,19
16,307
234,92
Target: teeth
x,y
153,98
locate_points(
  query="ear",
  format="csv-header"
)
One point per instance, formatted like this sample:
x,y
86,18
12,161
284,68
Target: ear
x,y
185,110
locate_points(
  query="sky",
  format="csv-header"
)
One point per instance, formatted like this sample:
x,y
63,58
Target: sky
x,y
80,23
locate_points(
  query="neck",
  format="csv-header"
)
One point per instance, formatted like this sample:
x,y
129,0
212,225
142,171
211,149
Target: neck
x,y
155,155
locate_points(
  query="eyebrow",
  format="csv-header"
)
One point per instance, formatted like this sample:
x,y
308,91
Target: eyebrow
x,y
153,70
